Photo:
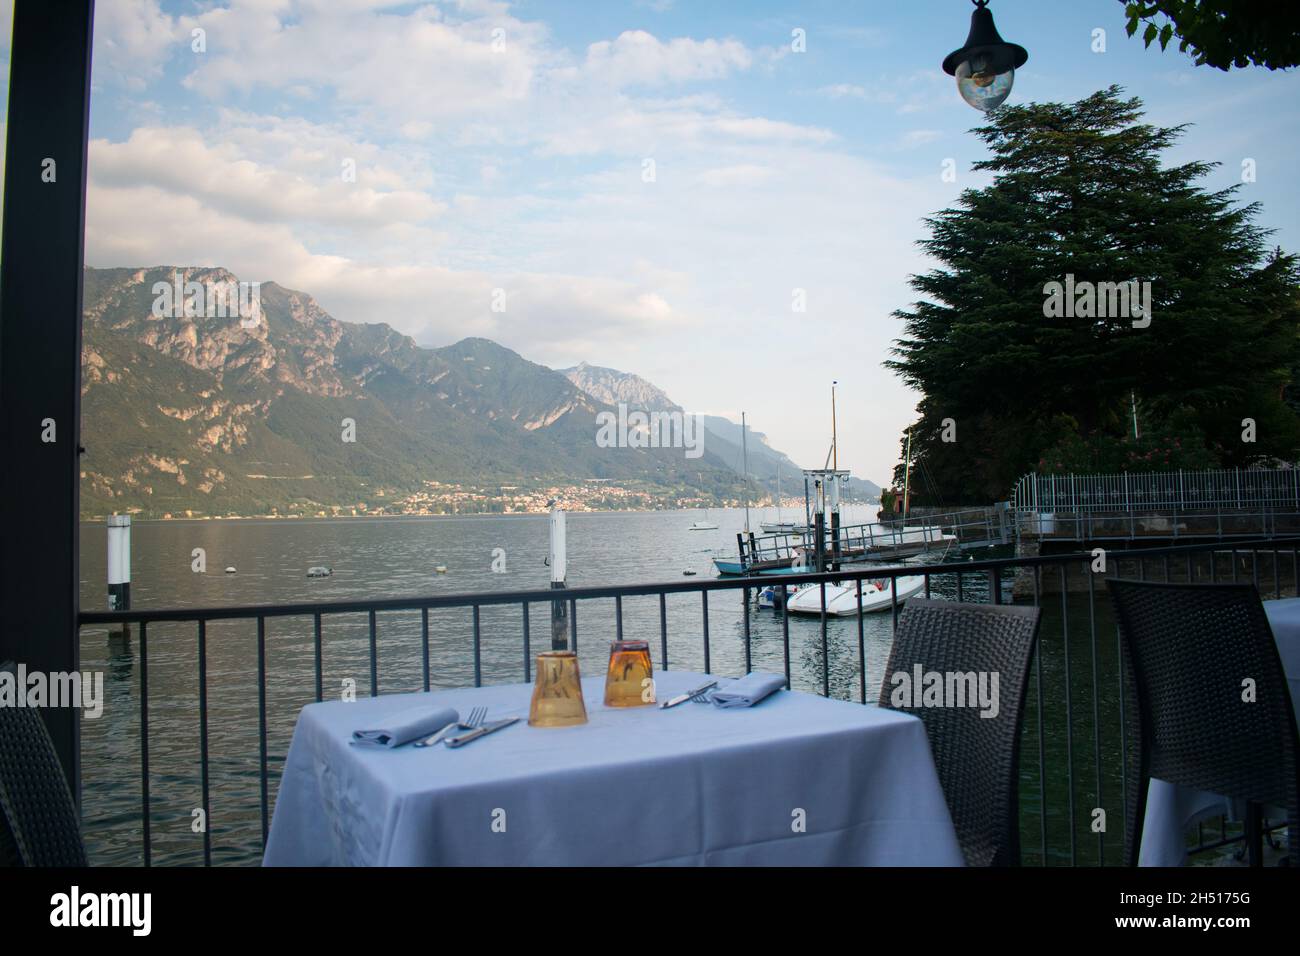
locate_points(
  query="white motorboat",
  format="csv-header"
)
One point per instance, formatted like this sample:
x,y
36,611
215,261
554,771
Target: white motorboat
x,y
770,596
703,526
842,599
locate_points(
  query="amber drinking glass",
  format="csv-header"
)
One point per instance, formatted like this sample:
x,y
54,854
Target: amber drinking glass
x,y
629,682
557,691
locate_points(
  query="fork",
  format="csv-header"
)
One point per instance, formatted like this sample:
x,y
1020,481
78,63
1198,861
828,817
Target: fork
x,y
475,719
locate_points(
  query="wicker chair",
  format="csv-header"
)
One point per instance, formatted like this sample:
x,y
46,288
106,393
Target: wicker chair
x,y
1187,649
38,820
977,757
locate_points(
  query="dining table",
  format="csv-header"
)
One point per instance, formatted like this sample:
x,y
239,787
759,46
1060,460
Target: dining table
x,y
794,780
1172,809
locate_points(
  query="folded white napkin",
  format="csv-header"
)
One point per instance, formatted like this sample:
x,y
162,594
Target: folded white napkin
x,y
405,726
747,691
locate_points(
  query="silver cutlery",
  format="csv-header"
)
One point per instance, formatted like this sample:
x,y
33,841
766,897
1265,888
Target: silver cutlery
x,y
483,731
689,695
475,719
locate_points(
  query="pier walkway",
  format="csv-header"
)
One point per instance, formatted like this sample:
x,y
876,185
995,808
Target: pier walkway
x,y
1061,512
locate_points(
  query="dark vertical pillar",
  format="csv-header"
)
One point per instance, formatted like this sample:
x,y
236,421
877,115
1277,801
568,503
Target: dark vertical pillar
x,y
40,345
819,535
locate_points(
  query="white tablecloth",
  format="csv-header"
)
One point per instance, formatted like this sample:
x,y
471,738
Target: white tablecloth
x,y
795,780
1172,809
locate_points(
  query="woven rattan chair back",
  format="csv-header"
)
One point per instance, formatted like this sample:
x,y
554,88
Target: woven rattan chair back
x,y
38,820
1212,705
977,757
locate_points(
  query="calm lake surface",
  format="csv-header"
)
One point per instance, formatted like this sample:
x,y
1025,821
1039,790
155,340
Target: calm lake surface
x,y
394,557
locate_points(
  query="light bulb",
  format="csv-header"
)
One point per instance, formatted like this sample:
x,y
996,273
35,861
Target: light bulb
x,y
981,87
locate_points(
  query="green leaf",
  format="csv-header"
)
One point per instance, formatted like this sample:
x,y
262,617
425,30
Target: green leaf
x,y
1165,34
1132,25
1150,34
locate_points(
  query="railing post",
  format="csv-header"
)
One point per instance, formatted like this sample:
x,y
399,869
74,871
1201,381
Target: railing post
x,y
145,811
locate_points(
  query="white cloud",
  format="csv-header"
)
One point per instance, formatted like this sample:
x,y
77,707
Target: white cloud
x,y
422,66
133,41
638,58
182,162
639,128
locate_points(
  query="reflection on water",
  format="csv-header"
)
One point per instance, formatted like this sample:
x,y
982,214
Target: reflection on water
x,y
375,558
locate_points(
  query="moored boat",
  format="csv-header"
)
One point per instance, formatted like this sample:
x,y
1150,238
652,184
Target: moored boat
x,y
842,599
783,527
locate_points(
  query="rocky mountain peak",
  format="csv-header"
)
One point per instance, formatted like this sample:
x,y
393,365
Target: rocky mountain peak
x,y
613,387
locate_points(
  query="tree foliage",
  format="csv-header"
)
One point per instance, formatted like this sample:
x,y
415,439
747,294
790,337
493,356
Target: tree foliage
x,y
1222,33
1080,190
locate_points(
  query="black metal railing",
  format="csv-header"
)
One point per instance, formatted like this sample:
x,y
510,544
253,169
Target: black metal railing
x,y
1076,720
895,536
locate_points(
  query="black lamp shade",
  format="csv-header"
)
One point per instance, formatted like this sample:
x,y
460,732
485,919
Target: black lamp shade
x,y
985,43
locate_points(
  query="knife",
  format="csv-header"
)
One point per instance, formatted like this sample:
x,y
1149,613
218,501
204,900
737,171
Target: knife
x,y
488,728
435,737
689,695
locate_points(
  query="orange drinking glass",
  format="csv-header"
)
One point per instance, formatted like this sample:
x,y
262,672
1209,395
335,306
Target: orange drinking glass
x,y
629,682
557,691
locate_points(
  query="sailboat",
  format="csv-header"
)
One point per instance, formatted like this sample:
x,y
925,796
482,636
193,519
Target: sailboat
x,y
735,567
705,525
779,526
744,451
841,600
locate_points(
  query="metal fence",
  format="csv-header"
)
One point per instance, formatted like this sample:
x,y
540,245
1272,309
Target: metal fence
x,y
1072,732
1252,489
892,537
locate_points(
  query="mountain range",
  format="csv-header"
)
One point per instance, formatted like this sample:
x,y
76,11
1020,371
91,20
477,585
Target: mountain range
x,y
295,411
767,466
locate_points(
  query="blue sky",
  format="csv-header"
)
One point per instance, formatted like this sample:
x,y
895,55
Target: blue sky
x,y
521,165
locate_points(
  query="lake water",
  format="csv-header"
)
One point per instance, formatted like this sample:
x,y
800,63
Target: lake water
x,y
392,557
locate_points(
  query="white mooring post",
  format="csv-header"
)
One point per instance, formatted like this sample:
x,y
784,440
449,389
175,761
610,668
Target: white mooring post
x,y
559,569
119,562
119,574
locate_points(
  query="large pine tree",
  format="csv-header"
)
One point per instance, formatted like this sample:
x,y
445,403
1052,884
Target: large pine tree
x,y
1080,189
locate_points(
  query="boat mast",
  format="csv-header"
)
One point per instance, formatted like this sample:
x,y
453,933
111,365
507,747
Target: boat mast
x,y
834,485
744,451
835,445
778,495
907,475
